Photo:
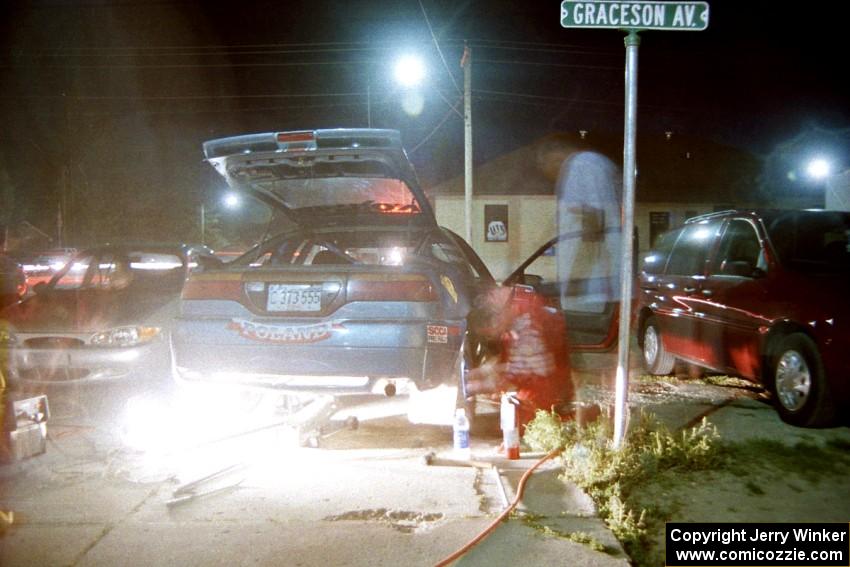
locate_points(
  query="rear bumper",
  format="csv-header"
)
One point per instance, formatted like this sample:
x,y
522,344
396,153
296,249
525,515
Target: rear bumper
x,y
348,363
333,370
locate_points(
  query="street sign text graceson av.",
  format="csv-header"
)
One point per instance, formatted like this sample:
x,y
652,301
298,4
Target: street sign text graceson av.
x,y
685,16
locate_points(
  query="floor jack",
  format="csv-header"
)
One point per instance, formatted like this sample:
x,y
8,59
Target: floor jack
x,y
306,426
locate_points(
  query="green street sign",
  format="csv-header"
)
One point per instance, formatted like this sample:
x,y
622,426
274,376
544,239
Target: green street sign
x,y
683,16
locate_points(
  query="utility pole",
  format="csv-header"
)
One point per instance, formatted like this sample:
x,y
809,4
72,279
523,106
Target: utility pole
x,y
466,63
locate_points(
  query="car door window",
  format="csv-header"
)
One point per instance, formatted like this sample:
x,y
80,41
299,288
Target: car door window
x,y
656,260
456,247
740,251
107,270
691,249
75,275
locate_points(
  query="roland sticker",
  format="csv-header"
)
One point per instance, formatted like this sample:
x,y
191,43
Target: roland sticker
x,y
450,287
438,334
283,334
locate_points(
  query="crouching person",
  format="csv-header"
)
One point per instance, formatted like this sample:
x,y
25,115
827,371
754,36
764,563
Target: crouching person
x,y
531,354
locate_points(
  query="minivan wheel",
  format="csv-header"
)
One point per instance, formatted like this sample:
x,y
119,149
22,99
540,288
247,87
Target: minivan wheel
x,y
798,383
657,360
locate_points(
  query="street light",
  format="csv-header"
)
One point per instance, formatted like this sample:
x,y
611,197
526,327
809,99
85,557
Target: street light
x,y
409,71
818,168
231,200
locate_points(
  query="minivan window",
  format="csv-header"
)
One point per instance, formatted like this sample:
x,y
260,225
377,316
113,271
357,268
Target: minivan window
x,y
655,261
815,241
740,244
691,249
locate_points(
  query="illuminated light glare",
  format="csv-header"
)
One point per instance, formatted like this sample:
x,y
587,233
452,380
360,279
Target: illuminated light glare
x,y
702,234
409,71
413,104
231,200
376,409
395,257
818,168
434,407
155,265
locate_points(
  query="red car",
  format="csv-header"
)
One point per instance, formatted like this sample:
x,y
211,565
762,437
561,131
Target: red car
x,y
758,294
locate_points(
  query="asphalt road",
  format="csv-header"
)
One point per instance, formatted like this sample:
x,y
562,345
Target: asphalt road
x,y
364,497
107,493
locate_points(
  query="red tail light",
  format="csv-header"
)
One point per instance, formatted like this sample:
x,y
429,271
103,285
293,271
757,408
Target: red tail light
x,y
395,209
213,289
396,287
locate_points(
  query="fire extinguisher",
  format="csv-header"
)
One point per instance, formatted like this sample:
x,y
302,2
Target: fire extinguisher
x,y
510,425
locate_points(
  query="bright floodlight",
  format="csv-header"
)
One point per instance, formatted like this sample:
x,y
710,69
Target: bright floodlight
x,y
409,71
818,168
231,200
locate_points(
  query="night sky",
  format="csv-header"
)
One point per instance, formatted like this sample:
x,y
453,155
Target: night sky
x,y
107,102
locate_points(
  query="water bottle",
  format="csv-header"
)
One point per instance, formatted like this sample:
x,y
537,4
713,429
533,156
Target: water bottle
x,y
461,434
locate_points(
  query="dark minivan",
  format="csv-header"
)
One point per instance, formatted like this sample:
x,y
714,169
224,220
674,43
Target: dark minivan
x,y
758,294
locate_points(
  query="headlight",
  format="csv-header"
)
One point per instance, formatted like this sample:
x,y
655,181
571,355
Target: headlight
x,y
125,336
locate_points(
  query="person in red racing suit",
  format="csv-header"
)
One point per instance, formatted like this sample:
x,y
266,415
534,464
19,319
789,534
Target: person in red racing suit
x,y
533,357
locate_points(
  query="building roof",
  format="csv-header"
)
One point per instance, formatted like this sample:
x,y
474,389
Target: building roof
x,y
678,169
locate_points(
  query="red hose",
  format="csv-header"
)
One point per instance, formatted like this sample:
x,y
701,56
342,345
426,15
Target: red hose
x,y
520,489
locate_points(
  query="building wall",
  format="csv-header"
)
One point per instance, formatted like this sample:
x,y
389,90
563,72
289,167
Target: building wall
x,y
838,192
531,223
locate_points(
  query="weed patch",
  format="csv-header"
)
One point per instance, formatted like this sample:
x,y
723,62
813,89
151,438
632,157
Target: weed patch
x,y
535,522
611,477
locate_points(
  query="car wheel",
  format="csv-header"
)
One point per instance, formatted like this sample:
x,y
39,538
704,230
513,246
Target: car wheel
x,y
798,383
657,360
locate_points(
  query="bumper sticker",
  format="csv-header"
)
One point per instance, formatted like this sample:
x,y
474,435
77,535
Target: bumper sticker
x,y
438,334
283,334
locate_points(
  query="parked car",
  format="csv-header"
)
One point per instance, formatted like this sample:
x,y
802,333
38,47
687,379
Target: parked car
x,y
759,294
364,293
41,266
106,315
13,281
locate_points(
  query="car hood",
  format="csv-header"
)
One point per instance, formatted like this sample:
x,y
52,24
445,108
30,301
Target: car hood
x,y
319,177
76,311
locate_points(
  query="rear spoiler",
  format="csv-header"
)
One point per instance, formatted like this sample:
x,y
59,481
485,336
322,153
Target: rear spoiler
x,y
304,140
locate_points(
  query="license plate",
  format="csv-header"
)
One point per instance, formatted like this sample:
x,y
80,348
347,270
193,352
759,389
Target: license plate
x,y
294,297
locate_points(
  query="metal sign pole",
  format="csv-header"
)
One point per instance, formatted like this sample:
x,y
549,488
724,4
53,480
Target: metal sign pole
x,y
466,63
621,408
